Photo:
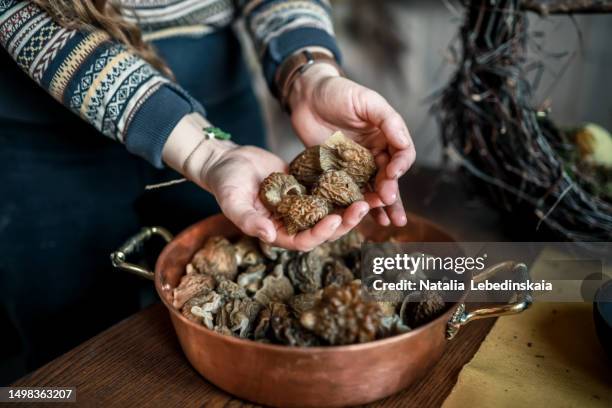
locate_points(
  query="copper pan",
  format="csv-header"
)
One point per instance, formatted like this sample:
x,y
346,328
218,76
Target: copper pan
x,y
306,377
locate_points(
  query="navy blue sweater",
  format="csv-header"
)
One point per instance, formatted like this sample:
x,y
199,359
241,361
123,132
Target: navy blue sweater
x,y
119,93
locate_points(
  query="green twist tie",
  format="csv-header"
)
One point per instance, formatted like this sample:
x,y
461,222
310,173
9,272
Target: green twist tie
x,y
216,133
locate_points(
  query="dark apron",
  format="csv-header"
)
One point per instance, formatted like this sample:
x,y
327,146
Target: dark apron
x,y
69,197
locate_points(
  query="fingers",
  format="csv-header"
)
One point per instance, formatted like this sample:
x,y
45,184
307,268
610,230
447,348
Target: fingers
x,y
386,189
386,199
373,199
238,206
400,162
328,229
387,192
375,109
396,213
383,212
378,112
321,232
255,224
351,217
380,216
309,239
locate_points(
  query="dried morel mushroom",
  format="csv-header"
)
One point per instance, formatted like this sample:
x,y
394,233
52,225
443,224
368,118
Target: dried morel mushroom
x,y
419,308
343,316
231,290
354,159
243,315
252,278
276,288
276,186
217,257
247,252
208,307
338,188
287,329
306,269
301,212
190,286
271,252
261,332
387,308
391,326
337,153
346,245
304,301
308,165
198,300
239,316
335,272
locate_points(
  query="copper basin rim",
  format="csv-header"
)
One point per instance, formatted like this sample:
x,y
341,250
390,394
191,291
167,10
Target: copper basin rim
x,y
290,377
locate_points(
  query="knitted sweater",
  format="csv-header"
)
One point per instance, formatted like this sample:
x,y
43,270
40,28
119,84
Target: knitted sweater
x,y
123,96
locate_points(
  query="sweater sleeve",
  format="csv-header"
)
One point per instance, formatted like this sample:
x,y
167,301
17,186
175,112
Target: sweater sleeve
x,y
97,78
279,28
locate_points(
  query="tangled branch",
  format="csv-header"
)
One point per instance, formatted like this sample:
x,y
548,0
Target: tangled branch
x,y
547,7
488,123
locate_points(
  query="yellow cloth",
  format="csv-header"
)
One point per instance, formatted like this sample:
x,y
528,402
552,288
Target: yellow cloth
x,y
548,356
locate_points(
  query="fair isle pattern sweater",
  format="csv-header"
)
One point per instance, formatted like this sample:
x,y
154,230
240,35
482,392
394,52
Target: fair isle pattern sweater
x,y
123,96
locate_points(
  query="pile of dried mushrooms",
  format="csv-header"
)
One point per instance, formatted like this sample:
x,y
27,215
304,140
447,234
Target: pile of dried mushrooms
x,y
251,290
322,178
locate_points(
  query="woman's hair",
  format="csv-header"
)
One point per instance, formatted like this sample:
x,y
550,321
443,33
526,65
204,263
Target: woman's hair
x,y
102,14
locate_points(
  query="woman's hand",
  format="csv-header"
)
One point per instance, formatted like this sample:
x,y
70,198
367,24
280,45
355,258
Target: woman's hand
x,y
233,174
234,178
322,102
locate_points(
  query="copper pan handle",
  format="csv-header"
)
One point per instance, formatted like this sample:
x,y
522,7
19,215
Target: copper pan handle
x,y
118,258
461,317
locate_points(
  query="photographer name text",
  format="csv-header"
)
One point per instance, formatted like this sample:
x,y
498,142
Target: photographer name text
x,y
458,285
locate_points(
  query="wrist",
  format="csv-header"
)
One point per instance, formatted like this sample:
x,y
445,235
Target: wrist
x,y
183,139
190,152
302,88
297,65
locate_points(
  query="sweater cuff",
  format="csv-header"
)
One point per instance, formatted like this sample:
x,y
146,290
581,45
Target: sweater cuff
x,y
155,120
286,44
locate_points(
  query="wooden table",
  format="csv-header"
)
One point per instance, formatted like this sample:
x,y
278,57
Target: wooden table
x,y
138,362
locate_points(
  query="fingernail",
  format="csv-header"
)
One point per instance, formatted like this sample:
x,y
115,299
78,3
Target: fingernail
x,y
404,138
393,197
263,235
336,223
407,134
363,213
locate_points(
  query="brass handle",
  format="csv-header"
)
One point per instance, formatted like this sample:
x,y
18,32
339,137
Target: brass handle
x,y
461,317
118,258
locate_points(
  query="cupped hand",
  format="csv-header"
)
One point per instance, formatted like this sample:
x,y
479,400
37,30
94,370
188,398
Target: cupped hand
x,y
323,102
233,176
